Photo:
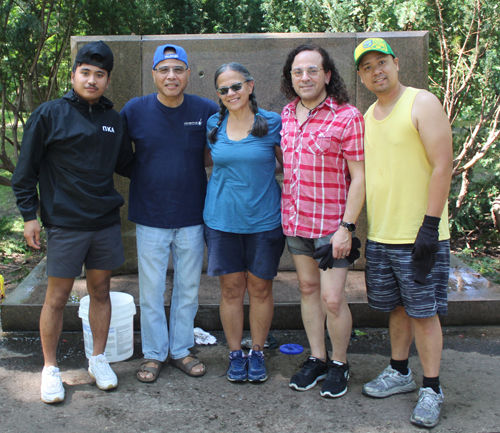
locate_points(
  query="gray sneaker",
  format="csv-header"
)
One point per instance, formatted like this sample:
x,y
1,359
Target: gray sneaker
x,y
428,408
389,382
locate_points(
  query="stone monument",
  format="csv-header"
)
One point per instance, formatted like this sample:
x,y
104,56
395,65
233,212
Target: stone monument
x,y
264,55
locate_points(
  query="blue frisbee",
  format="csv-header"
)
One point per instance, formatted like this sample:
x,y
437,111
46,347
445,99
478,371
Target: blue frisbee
x,y
291,349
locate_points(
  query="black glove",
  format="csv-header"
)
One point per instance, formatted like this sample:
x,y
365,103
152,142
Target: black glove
x,y
354,254
325,253
425,248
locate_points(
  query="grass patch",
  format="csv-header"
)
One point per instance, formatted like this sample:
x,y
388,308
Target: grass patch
x,y
8,206
11,238
7,199
17,259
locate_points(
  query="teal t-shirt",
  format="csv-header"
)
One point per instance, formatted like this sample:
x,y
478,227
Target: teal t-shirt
x,y
243,195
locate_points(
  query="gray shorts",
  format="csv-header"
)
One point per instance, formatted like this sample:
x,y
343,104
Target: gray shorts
x,y
389,280
68,250
305,247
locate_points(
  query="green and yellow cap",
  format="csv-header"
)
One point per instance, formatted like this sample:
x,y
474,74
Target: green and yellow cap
x,y
371,44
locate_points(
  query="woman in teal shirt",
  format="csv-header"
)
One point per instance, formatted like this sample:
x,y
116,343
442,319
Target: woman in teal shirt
x,y
242,215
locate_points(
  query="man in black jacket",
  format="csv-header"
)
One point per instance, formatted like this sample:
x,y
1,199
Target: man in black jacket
x,y
71,148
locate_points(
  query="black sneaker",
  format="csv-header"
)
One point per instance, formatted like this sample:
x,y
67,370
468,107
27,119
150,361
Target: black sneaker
x,y
335,384
312,370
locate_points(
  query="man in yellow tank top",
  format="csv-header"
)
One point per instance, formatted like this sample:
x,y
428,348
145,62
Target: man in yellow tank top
x,y
408,160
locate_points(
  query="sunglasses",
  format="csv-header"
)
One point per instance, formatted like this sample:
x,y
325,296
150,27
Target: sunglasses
x,y
235,87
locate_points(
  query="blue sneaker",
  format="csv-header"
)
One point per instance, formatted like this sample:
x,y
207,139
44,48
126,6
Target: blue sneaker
x,y
238,367
257,371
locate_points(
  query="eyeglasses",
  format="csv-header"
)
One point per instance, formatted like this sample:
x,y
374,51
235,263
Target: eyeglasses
x,y
311,71
165,70
235,87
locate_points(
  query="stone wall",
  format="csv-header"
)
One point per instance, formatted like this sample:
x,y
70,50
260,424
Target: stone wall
x,y
264,55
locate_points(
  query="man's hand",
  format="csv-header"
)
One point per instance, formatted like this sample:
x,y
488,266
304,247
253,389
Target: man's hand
x,y
341,243
32,233
325,253
425,248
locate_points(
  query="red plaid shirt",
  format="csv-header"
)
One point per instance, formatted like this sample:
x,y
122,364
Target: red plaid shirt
x,y
316,176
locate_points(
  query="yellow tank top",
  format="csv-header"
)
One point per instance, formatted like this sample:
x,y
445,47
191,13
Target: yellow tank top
x,y
397,176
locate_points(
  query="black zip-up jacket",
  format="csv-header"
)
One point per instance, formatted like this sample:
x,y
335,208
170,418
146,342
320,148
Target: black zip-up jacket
x,y
71,149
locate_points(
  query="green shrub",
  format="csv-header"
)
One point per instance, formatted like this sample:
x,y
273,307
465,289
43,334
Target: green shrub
x,y
11,238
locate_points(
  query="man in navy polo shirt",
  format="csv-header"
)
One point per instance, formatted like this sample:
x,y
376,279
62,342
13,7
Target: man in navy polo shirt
x,y
167,195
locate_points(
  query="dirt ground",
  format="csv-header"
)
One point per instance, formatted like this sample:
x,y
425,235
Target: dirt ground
x,y
178,403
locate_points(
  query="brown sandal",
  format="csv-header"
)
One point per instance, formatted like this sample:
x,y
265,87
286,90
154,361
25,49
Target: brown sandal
x,y
155,371
188,366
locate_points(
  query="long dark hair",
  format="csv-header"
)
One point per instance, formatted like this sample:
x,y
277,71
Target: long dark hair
x,y
260,127
336,87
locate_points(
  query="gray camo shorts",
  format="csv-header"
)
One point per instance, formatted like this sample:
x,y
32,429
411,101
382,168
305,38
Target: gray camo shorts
x,y
389,280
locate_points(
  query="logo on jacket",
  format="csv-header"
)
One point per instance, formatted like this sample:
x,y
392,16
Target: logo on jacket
x,y
108,129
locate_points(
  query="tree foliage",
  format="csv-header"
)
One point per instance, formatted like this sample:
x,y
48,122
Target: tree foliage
x,y
34,37
464,74
464,60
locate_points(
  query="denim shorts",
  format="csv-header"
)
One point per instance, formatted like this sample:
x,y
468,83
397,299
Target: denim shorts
x,y
258,253
389,280
305,247
68,250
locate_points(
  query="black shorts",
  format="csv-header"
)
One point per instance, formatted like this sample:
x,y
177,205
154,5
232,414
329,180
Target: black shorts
x,y
68,250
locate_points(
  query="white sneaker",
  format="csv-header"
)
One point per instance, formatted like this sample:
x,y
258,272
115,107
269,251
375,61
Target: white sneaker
x,y
52,388
100,370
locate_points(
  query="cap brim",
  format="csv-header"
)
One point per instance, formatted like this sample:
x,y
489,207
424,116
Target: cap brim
x,y
371,51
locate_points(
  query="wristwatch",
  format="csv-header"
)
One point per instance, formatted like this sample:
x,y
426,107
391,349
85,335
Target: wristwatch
x,y
349,226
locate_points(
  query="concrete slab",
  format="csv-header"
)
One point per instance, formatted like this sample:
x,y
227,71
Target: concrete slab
x,y
473,300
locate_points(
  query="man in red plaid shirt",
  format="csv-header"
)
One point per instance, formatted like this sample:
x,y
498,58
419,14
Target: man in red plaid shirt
x,y
323,193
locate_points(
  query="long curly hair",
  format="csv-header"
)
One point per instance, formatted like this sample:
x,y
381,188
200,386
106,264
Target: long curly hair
x,y
336,87
260,127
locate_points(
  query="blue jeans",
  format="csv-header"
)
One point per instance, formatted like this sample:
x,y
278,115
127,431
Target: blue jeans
x,y
153,249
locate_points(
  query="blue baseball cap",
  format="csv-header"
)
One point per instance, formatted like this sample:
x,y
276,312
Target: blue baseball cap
x,y
180,54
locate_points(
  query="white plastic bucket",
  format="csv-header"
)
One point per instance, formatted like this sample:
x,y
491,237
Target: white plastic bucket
x,y
120,344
